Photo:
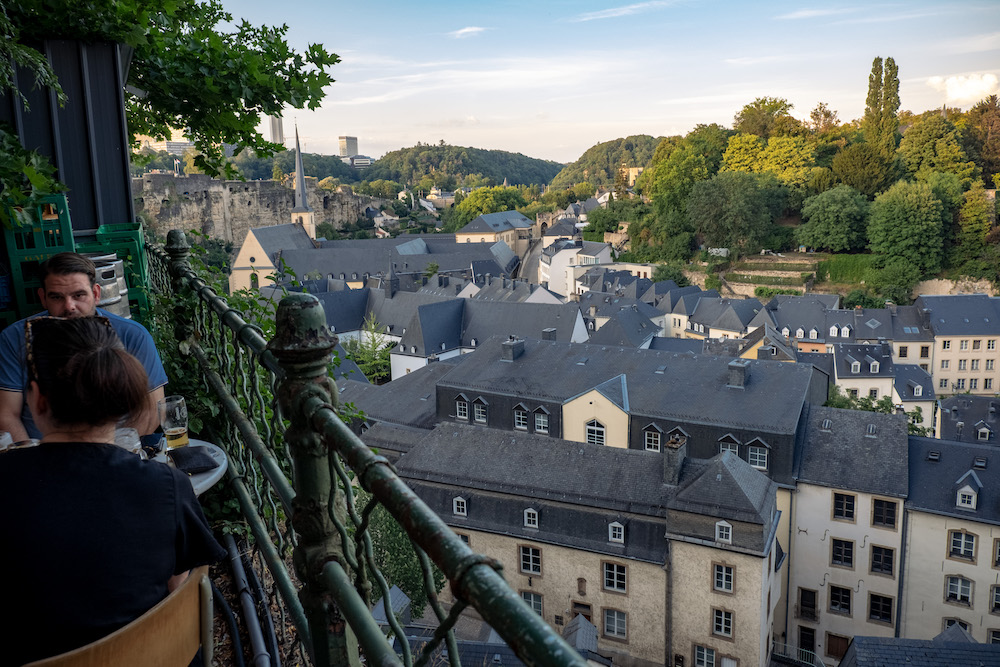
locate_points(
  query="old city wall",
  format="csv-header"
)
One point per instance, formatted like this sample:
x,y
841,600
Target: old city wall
x,y
229,209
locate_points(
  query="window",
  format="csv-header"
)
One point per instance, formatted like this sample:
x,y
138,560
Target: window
x,y
963,545
840,600
960,384
833,331
836,645
614,577
729,447
534,601
807,605
882,560
988,383
541,422
879,608
615,624
945,364
873,367
463,537
974,365
843,506
813,334
616,532
531,560
652,440
757,457
458,507
996,553
946,345
963,345
595,432
991,345
995,599
842,553
704,657
959,590
855,366
993,636
918,391
785,331
903,351
724,575
845,332
873,393
521,420
925,351
948,622
724,532
479,412
722,623
942,384
989,364
853,393
461,409
962,364
966,497
530,518
883,513
799,333
973,383
976,344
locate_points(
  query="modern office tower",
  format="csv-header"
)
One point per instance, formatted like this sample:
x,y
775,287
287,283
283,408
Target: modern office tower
x,y
348,146
277,130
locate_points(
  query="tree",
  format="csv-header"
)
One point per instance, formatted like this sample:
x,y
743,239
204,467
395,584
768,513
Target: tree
x,y
187,70
895,281
881,123
670,272
864,168
905,223
370,351
835,220
431,270
734,210
276,173
823,118
983,124
765,116
932,144
743,153
485,200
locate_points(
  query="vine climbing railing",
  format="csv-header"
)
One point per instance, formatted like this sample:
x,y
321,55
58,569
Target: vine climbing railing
x,y
294,466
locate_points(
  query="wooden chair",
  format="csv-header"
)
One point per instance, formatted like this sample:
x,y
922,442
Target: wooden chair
x,y
167,635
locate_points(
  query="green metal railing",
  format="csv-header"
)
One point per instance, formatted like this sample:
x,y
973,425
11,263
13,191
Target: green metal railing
x,y
293,468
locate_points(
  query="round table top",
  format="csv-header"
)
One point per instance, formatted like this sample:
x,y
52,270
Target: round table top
x,y
203,481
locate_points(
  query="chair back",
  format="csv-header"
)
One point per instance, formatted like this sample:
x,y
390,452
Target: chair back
x,y
168,635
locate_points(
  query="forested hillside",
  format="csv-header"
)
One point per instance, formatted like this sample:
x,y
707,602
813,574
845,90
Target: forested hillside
x,y
451,166
600,163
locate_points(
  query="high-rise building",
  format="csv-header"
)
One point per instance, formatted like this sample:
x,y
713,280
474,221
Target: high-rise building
x,y
277,131
348,146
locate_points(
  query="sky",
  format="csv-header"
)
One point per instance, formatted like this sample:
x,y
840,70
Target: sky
x,y
551,78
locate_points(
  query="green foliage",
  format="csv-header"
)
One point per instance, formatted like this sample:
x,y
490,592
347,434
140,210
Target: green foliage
x,y
197,68
982,136
905,223
933,144
25,179
371,351
895,281
836,399
863,298
147,160
779,239
880,123
743,153
768,292
317,166
378,188
13,53
834,220
484,200
754,279
713,282
673,271
847,269
735,209
431,270
600,163
864,168
766,117
474,167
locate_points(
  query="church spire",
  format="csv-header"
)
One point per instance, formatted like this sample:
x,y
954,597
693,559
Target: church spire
x,y
301,213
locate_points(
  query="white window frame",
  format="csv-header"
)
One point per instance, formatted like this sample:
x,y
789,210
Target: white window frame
x,y
729,447
541,421
530,560
873,367
651,440
724,577
704,656
724,532
459,507
756,454
833,331
963,344
480,412
799,333
461,409
991,345
520,419
966,498
615,577
596,433
959,590
722,623
616,533
855,366
618,626
530,518
961,545
813,334
533,600
845,332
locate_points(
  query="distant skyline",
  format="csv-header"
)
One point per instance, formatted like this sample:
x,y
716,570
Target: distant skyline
x,y
551,78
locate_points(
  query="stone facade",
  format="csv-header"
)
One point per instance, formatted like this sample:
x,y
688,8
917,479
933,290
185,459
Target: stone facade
x,y
227,210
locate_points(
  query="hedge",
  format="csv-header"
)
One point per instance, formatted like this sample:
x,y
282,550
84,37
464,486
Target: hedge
x,y
753,279
847,269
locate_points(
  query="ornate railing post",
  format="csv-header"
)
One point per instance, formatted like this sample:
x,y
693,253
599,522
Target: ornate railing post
x,y
302,345
179,250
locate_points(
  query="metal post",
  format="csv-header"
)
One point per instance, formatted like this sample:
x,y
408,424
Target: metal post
x,y
302,346
179,250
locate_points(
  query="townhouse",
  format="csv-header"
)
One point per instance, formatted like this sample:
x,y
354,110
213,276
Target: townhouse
x,y
966,330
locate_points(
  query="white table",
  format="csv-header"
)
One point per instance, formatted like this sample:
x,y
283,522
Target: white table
x,y
203,481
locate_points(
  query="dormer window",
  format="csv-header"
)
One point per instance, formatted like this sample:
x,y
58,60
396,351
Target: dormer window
x,y
870,431
652,437
473,341
855,366
459,507
845,332
784,331
873,366
813,334
530,518
724,532
462,408
983,433
616,532
799,333
966,498
479,411
833,331
918,390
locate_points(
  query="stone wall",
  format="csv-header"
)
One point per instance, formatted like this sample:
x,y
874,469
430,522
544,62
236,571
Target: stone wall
x,y
229,209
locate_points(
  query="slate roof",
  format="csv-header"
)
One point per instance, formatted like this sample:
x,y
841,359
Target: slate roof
x,y
408,400
656,291
934,480
727,488
689,388
864,324
537,466
347,369
725,314
399,603
821,361
483,319
841,455
973,412
685,304
845,354
910,323
497,222
937,652
501,289
562,228
274,239
676,345
962,314
345,310
908,378
608,304
397,313
627,327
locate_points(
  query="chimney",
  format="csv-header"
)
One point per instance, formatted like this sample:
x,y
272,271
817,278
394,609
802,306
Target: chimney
x,y
674,453
511,349
549,334
739,371
593,311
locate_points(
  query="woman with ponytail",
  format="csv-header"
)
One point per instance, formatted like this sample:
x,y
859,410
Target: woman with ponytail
x,y
93,535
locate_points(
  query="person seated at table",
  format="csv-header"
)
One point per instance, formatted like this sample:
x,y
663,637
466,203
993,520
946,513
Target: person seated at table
x,y
70,289
93,535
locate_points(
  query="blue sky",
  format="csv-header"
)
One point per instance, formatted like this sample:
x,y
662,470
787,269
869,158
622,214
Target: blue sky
x,y
551,78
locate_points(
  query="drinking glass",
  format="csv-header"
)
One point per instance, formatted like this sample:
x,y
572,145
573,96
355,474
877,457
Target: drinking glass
x,y
5,440
174,420
128,439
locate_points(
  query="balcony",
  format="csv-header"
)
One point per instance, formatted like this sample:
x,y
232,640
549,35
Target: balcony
x,y
299,475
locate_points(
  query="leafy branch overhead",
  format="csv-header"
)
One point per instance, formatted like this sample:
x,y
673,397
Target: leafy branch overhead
x,y
189,71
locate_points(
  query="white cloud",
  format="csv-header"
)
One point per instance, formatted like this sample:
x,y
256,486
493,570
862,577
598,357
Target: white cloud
x,y
468,31
965,89
814,13
625,10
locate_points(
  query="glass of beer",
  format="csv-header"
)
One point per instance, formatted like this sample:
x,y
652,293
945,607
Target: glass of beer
x,y
174,420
